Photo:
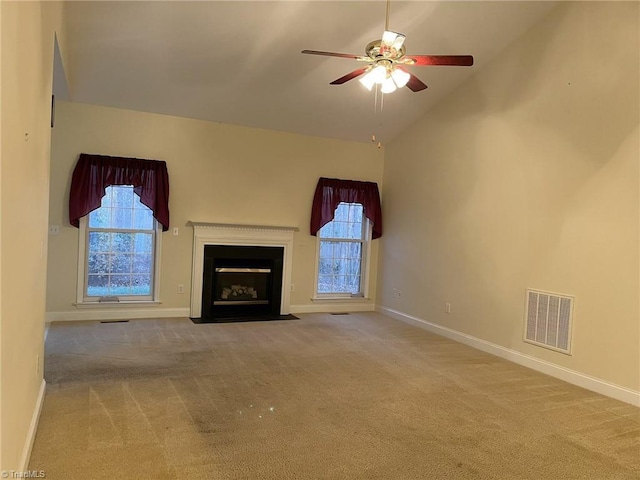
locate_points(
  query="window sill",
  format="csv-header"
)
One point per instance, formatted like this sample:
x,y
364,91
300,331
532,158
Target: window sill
x,y
127,303
340,299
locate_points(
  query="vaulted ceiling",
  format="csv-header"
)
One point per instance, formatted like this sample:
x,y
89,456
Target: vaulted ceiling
x,y
239,62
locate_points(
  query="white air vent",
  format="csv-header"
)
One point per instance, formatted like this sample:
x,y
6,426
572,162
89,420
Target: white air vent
x,y
548,320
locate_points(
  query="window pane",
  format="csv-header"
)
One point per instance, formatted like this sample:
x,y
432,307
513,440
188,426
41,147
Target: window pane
x,y
326,266
340,284
98,285
107,200
122,242
100,218
141,284
142,263
339,267
326,231
121,263
99,242
325,283
122,218
342,212
120,285
326,249
123,196
98,263
347,223
142,219
143,243
353,283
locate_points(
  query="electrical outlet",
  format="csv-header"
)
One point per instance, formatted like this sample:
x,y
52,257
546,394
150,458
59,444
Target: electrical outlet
x,y
180,288
447,308
293,287
54,229
175,230
397,293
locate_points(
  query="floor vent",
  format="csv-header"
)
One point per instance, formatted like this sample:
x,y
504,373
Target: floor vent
x,y
114,321
339,313
548,319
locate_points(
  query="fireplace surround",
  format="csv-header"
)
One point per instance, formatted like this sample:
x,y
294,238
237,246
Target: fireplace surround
x,y
236,273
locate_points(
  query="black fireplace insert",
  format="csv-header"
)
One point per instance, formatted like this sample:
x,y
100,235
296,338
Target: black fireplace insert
x,y
241,281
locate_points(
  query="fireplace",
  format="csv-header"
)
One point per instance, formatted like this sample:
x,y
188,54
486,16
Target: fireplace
x,y
239,271
241,281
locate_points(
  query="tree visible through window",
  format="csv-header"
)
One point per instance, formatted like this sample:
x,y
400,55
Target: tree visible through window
x,y
342,244
121,237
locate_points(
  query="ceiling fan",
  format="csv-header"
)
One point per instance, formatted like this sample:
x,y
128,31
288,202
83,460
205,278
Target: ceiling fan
x,y
386,61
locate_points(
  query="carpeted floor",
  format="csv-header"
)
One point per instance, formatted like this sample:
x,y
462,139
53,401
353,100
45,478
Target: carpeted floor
x,y
324,397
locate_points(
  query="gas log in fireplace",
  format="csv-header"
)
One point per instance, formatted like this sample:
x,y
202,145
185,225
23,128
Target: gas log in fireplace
x,y
241,281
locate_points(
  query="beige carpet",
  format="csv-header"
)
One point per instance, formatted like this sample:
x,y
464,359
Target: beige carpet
x,y
324,397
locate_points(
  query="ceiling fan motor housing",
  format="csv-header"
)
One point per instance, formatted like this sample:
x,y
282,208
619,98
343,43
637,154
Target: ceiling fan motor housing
x,y
376,50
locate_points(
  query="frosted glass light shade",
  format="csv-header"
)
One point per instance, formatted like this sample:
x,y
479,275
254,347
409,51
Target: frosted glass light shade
x,y
368,81
389,37
388,86
400,77
379,74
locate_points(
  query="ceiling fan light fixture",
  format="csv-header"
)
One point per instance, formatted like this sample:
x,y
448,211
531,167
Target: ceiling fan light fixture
x,y
388,86
379,74
398,42
400,77
388,37
367,81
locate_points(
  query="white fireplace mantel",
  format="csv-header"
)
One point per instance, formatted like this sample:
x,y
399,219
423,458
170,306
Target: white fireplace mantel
x,y
246,235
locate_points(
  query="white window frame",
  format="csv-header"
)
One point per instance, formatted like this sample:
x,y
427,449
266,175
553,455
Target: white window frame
x,y
83,300
365,263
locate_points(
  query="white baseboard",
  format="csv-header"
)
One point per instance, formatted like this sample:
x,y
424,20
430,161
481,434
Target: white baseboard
x,y
33,427
332,308
570,376
118,313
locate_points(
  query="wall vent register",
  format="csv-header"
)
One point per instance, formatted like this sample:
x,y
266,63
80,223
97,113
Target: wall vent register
x,y
548,320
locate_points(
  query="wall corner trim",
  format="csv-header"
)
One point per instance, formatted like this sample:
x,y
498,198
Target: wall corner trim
x,y
570,376
33,427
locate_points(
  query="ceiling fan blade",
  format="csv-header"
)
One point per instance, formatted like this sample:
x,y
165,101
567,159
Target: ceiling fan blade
x,y
453,60
415,84
334,54
349,76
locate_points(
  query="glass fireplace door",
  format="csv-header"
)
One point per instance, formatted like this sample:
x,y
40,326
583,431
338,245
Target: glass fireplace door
x,y
242,286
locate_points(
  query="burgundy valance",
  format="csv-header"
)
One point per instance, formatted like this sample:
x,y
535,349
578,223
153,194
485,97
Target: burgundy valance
x,y
330,192
94,173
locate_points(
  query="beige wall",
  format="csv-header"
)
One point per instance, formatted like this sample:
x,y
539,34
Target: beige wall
x,y
527,177
217,173
27,60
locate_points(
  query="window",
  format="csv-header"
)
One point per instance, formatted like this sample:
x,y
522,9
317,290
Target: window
x,y
121,243
342,252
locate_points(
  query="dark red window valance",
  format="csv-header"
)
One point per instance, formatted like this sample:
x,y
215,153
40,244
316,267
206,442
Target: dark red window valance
x,y
94,173
330,192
